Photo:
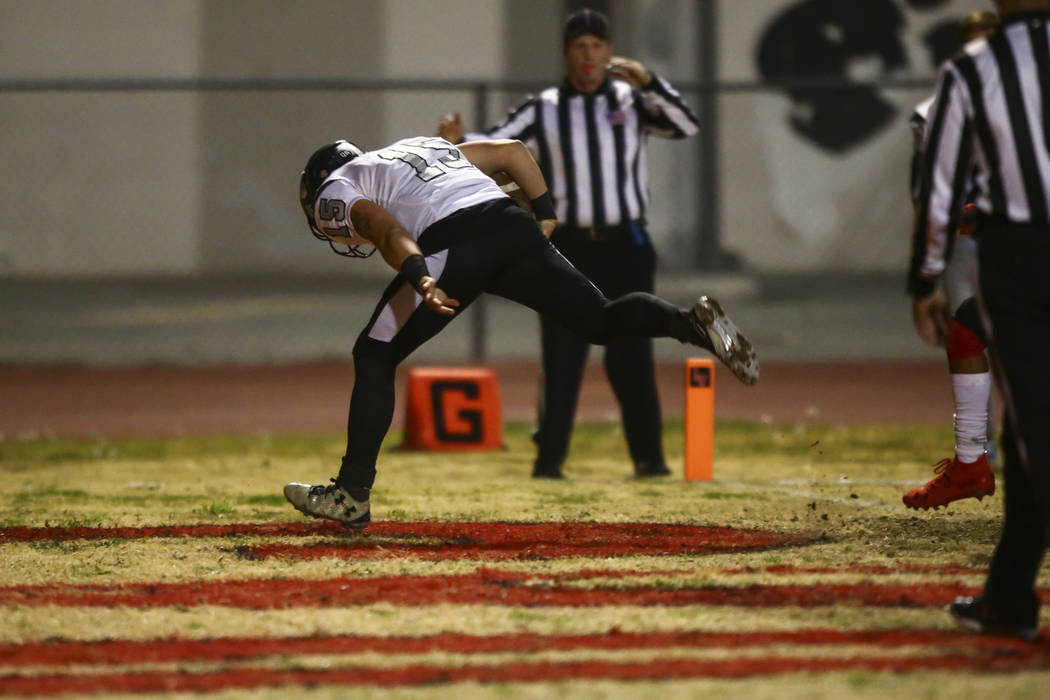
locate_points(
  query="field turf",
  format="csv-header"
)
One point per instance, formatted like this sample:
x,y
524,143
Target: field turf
x,y
167,566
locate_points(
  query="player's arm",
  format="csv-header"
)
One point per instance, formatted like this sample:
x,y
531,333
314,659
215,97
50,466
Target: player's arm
x,y
940,186
929,307
514,158
400,251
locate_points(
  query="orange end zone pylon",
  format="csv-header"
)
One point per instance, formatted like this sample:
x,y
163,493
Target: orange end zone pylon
x,y
699,419
453,409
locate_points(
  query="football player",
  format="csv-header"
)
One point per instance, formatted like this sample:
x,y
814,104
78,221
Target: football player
x,y
436,217
950,318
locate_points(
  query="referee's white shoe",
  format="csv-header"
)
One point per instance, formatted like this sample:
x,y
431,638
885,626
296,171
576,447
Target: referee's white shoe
x,y
350,507
724,339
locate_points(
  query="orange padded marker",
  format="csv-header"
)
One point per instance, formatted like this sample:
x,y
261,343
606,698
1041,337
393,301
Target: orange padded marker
x,y
453,409
699,419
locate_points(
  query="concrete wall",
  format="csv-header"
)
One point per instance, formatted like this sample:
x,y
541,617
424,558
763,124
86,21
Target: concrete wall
x,y
254,144
181,182
144,182
99,182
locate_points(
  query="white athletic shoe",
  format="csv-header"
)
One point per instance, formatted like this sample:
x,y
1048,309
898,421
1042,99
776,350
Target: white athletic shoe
x,y
332,501
727,342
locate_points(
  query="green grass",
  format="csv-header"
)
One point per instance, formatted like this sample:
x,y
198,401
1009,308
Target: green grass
x,y
839,486
844,481
218,510
28,453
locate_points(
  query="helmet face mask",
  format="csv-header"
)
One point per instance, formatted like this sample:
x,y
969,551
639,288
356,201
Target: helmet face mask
x,y
320,165
349,251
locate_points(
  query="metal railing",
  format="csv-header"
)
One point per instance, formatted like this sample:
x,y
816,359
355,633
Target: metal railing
x,y
246,84
482,91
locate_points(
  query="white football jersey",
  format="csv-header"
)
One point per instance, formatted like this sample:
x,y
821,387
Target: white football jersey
x,y
419,180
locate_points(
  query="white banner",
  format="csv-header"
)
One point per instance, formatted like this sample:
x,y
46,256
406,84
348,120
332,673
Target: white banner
x,y
815,178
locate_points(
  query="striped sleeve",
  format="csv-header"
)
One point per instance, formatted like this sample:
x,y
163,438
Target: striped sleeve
x,y
664,113
917,122
945,180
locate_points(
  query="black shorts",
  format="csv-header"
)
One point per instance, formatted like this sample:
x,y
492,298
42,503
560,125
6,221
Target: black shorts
x,y
493,247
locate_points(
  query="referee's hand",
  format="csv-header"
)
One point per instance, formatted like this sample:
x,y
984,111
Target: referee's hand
x,y
634,72
930,315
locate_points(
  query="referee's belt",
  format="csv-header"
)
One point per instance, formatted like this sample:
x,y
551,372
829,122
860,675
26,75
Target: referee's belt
x,y
600,233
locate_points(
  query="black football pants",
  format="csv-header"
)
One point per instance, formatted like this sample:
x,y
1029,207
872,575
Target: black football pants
x,y
1015,295
494,247
622,264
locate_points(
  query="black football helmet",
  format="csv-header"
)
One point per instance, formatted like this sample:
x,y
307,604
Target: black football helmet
x,y
321,164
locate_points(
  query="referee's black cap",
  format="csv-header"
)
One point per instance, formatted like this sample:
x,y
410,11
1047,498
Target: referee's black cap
x,y
586,21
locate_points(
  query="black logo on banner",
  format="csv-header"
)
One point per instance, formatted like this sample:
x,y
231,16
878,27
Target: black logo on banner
x,y
438,389
819,39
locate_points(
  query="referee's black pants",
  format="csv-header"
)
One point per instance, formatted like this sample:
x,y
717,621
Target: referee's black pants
x,y
493,247
623,262
1013,262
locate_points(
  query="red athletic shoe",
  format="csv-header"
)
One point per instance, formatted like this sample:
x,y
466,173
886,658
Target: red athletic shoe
x,y
955,480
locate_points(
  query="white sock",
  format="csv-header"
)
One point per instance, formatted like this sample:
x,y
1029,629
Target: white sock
x,y
971,414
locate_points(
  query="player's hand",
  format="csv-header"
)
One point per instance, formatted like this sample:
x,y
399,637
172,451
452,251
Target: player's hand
x,y
436,299
930,315
547,227
632,71
451,128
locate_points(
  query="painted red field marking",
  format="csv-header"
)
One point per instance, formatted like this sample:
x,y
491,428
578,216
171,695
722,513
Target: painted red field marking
x,y
245,648
1036,659
443,540
483,586
902,568
482,541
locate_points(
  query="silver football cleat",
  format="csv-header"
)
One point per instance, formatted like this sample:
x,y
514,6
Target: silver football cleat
x,y
728,343
332,502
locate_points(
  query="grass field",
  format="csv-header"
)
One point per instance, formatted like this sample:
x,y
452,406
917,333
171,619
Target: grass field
x,y
172,566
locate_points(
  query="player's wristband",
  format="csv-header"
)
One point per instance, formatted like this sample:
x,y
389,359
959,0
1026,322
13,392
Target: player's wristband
x,y
414,269
543,207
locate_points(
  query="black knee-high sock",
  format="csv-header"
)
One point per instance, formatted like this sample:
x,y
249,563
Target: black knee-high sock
x,y
371,411
639,314
682,330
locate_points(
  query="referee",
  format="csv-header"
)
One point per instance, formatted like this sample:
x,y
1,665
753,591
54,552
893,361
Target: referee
x,y
589,136
992,113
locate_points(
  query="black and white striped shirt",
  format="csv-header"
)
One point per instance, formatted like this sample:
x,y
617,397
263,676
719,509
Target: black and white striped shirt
x,y
990,121
591,147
